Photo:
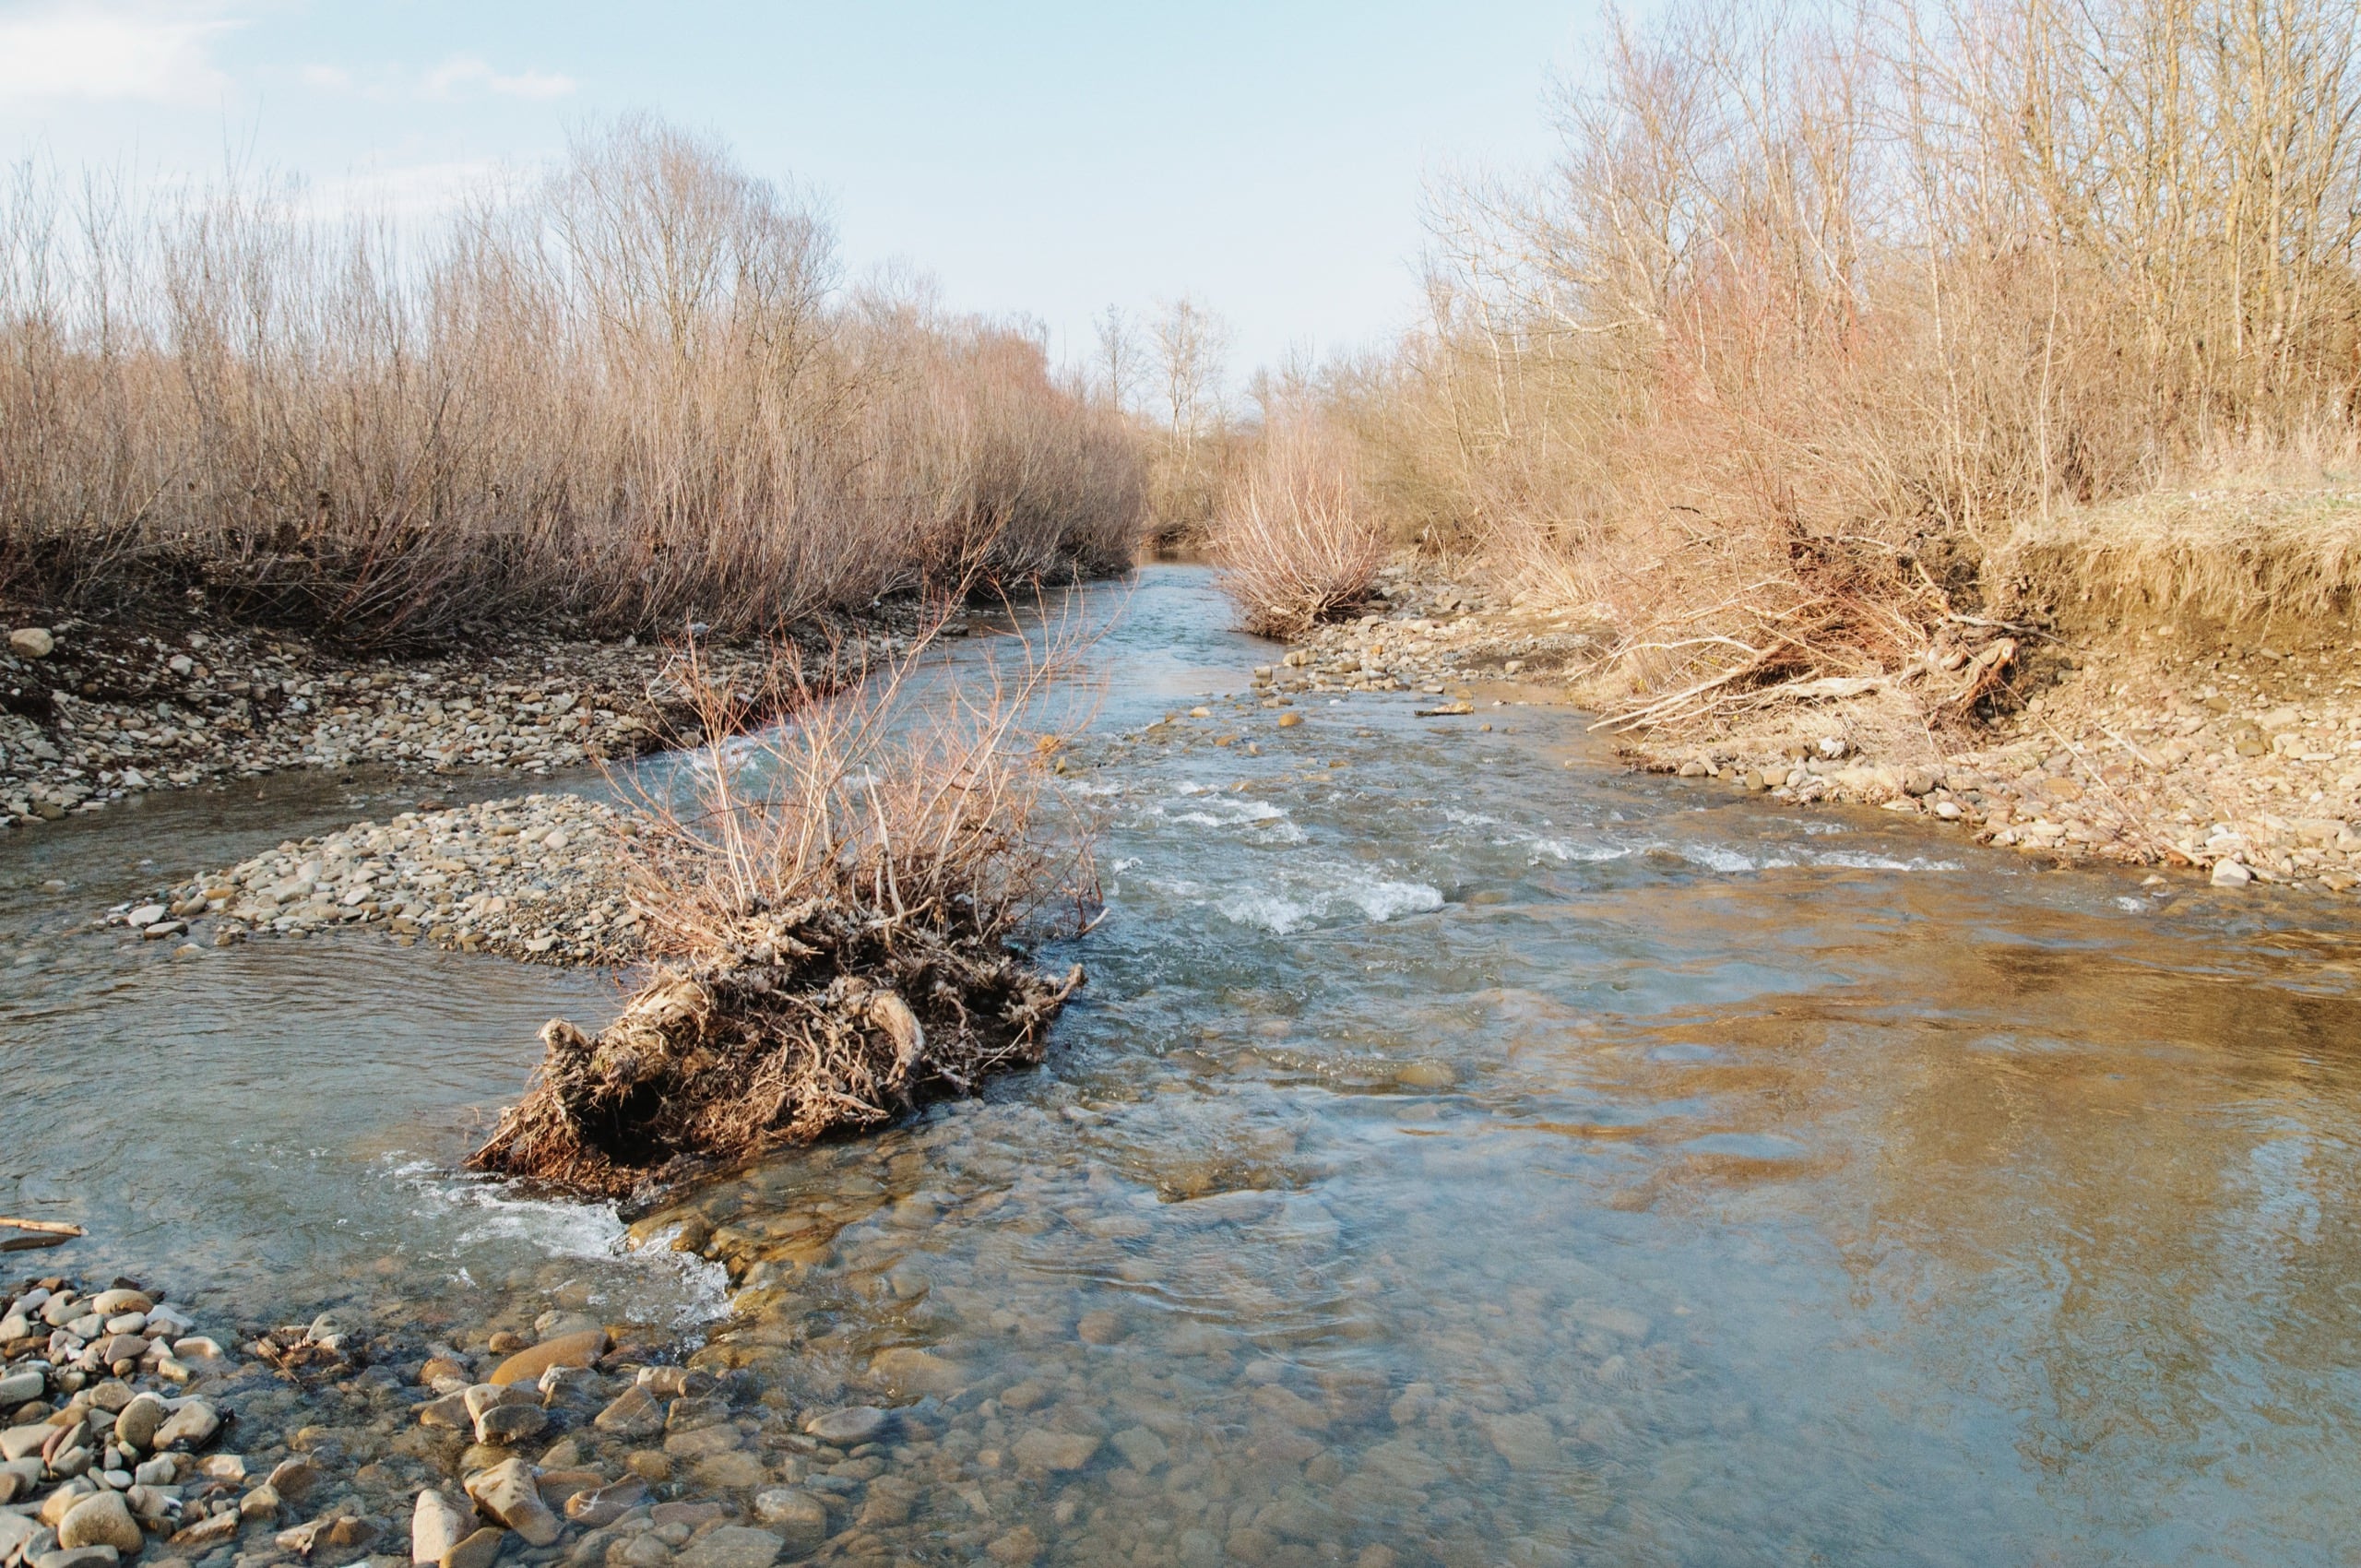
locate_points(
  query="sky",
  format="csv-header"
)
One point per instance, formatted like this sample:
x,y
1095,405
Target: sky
x,y
1043,159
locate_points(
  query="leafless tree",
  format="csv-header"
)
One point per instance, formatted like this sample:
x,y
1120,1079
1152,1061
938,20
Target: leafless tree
x,y
1192,351
1119,357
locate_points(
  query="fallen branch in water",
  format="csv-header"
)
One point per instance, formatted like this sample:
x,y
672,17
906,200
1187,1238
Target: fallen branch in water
x,y
44,1233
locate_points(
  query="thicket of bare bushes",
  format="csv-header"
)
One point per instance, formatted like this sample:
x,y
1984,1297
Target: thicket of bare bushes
x,y
634,392
1294,538
831,909
1818,306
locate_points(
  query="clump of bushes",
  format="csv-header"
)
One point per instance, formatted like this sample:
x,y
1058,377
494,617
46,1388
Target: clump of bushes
x,y
832,912
632,394
1295,539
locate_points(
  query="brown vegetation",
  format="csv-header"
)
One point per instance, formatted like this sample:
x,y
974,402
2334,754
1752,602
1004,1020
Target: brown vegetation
x,y
632,395
832,919
2252,538
1818,310
1295,541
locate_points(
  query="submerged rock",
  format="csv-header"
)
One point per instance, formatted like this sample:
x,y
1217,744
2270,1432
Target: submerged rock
x,y
577,1349
845,1428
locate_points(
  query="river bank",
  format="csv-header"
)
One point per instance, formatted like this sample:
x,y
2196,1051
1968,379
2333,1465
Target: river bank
x,y
90,713
2191,744
1458,1156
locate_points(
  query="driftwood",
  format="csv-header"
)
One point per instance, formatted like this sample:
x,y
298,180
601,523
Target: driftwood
x,y
42,1233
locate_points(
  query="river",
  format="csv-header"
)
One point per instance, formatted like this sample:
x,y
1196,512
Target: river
x,y
1463,1150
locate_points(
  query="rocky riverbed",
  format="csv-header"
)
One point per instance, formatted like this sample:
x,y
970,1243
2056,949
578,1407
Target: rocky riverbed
x,y
129,1435
2192,745
91,714
123,1427
538,877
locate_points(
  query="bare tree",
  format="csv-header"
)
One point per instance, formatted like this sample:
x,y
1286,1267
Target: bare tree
x,y
1119,356
1192,347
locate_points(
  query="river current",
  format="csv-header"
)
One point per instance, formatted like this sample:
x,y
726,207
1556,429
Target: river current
x,y
1463,1150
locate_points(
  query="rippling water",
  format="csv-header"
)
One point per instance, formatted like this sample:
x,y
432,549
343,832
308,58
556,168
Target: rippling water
x,y
1463,1150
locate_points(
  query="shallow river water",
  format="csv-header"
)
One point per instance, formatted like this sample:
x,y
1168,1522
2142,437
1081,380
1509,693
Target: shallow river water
x,y
1463,1150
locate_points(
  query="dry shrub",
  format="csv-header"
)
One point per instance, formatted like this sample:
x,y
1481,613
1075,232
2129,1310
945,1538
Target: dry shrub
x,y
1817,306
1295,541
631,394
832,920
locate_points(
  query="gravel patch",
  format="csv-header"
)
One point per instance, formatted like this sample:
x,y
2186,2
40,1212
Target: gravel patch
x,y
538,877
91,714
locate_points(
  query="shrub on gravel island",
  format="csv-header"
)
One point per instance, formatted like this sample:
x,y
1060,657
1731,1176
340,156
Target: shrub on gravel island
x,y
832,917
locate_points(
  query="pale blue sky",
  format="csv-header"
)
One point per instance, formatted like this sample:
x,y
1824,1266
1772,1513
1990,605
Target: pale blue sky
x,y
1049,159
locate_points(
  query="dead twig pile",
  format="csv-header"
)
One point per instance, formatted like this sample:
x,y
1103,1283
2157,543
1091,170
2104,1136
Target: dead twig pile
x,y
835,911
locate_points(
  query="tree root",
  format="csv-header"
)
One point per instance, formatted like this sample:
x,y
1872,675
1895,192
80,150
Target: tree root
x,y
814,1020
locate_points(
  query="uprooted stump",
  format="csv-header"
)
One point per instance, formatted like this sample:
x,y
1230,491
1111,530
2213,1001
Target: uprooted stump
x,y
814,1021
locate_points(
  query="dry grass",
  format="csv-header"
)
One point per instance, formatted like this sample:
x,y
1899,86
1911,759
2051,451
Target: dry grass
x,y
833,919
1818,308
2252,536
632,394
1295,539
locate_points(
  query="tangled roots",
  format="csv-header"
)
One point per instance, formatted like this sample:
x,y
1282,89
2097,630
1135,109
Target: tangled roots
x,y
805,1027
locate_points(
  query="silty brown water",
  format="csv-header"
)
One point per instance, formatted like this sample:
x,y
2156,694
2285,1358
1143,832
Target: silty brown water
x,y
1457,1155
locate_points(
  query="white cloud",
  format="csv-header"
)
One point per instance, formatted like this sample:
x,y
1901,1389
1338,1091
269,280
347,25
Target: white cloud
x,y
328,79
471,70
160,53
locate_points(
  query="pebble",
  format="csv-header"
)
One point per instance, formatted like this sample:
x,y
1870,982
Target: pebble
x,y
437,1525
129,711
98,1556
507,1493
480,1549
538,877
507,1425
102,1519
633,1413
191,1426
